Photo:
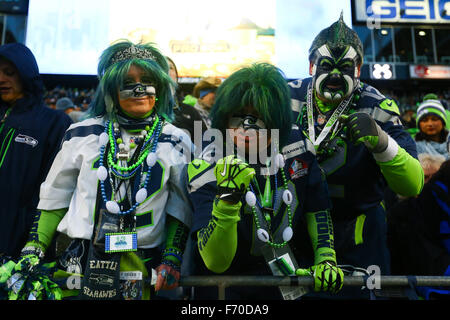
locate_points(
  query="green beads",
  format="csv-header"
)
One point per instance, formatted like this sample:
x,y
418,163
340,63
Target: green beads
x,y
267,215
142,156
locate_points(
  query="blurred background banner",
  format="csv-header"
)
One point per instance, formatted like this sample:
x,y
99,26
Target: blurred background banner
x,y
204,37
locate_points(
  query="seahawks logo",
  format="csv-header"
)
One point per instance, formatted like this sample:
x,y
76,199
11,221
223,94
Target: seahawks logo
x,y
251,122
21,138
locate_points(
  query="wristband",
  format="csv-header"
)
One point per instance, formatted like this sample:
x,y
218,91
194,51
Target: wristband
x,y
37,251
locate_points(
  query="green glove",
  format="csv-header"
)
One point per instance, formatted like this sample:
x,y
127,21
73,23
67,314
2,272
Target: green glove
x,y
233,177
327,277
361,127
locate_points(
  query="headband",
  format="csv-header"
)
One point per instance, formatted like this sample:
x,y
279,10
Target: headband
x,y
132,52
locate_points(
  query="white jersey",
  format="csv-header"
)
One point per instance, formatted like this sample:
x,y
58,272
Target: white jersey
x,y
72,182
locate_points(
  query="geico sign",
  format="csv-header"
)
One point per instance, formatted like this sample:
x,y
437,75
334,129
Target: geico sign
x,y
403,11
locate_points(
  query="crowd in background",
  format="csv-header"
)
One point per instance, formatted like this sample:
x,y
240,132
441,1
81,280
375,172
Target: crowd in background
x,y
408,102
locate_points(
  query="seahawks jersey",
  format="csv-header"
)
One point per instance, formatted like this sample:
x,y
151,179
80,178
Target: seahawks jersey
x,y
305,180
72,182
354,179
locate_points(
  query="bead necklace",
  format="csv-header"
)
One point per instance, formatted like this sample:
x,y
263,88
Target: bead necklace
x,y
121,172
252,201
115,143
126,172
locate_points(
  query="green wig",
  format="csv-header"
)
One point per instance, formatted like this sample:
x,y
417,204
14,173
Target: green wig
x,y
113,67
261,86
337,36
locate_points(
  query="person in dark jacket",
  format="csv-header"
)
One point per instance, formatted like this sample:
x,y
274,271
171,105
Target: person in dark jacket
x,y
185,115
30,137
419,233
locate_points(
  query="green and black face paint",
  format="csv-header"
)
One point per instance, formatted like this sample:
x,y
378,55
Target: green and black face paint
x,y
335,72
247,122
336,53
136,90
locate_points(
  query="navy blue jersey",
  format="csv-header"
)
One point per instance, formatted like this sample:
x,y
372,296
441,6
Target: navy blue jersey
x,y
306,181
355,181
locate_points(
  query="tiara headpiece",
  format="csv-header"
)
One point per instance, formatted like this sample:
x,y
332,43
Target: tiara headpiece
x,y
132,52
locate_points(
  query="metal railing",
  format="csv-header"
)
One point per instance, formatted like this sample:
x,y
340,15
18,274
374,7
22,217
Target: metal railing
x,y
222,282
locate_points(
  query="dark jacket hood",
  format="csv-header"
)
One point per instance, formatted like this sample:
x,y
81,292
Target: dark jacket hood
x,y
26,64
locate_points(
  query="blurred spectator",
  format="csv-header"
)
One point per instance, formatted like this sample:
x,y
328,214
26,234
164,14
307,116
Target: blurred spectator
x,y
185,115
189,100
433,137
409,118
66,105
418,233
85,104
432,96
430,164
51,103
205,92
80,96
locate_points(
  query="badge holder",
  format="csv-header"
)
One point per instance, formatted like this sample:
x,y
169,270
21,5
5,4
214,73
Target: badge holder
x,y
120,242
281,262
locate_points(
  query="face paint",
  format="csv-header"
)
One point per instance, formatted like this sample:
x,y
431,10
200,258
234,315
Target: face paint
x,y
335,73
136,90
247,122
250,135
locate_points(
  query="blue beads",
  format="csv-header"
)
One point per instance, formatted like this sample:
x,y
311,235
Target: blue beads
x,y
154,140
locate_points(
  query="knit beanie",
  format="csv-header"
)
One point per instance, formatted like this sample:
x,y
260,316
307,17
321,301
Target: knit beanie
x,y
434,107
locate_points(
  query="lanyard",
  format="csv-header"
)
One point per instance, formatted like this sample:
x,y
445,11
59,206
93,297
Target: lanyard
x,y
332,122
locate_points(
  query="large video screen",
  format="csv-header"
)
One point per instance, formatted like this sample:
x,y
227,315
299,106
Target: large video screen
x,y
203,37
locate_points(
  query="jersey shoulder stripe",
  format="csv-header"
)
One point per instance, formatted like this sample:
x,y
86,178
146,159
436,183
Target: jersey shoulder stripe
x,y
85,128
378,106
